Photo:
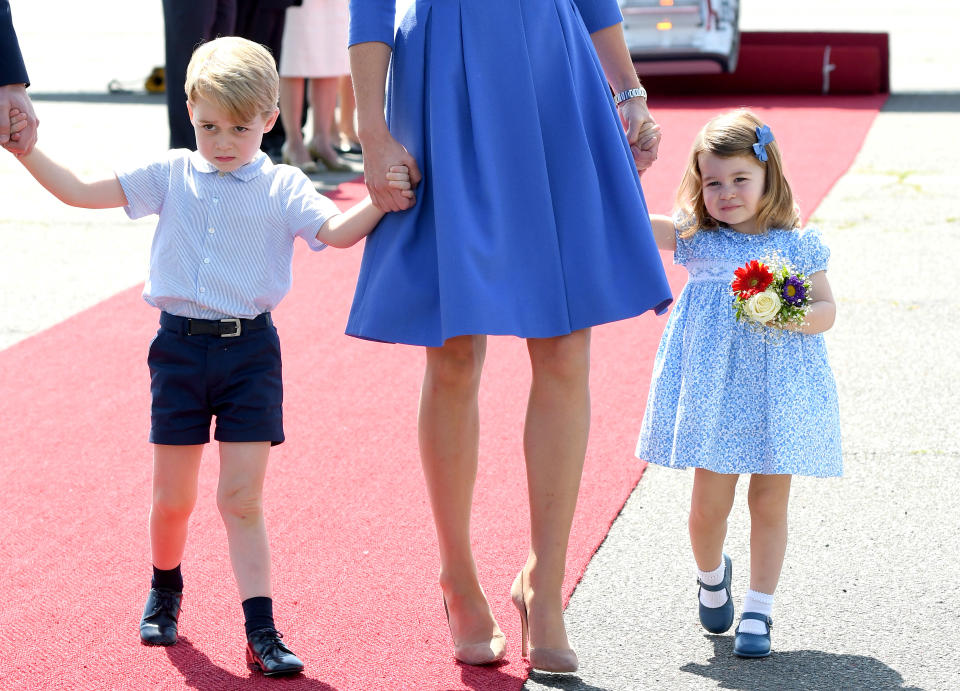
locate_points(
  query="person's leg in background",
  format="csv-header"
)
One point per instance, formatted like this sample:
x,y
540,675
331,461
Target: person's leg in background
x,y
186,24
262,21
346,122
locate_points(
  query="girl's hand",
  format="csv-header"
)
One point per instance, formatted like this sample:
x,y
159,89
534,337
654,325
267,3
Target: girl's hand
x,y
399,179
380,155
643,132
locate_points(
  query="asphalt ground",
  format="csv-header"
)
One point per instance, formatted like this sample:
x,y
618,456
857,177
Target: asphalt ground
x,y
868,594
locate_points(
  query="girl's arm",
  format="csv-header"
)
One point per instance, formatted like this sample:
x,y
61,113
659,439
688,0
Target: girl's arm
x,y
823,310
68,188
664,233
348,228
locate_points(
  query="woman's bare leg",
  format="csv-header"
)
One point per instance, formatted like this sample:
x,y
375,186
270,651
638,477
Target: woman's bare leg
x,y
555,443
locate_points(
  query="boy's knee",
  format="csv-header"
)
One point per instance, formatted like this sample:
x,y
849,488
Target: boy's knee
x,y
171,507
240,504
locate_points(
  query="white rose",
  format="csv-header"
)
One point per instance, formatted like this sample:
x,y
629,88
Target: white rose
x,y
763,307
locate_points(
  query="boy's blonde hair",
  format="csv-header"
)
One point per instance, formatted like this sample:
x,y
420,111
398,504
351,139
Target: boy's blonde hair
x,y
728,135
236,75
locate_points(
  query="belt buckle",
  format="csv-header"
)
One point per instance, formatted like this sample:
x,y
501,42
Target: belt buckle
x,y
236,322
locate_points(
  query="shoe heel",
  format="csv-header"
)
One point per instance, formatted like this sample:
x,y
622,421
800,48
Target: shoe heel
x,y
252,659
559,660
516,594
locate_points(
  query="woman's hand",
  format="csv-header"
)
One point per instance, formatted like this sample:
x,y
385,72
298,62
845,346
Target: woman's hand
x,y
381,154
643,133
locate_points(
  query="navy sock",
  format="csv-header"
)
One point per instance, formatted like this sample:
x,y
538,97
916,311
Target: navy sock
x,y
169,579
257,613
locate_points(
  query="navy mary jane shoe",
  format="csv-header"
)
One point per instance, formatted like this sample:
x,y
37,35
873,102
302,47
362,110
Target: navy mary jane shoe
x,y
718,619
753,644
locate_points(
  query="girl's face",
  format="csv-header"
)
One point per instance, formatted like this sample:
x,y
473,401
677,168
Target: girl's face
x,y
732,189
226,144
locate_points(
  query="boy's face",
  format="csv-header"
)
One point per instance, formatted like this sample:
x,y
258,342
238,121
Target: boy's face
x,y
226,144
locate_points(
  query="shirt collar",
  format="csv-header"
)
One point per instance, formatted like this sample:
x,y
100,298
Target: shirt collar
x,y
261,163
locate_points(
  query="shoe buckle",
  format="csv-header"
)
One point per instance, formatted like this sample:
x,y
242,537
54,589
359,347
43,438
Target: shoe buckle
x,y
236,330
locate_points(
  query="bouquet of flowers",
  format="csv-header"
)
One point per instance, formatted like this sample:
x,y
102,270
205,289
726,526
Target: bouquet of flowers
x,y
769,293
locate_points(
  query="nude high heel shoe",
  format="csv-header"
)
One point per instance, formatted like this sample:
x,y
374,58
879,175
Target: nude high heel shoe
x,y
482,653
559,660
308,167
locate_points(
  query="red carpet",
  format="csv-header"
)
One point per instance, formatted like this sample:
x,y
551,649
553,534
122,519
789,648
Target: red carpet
x,y
353,545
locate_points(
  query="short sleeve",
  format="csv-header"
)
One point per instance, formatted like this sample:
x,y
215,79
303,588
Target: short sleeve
x,y
372,20
814,255
306,210
684,251
599,14
145,188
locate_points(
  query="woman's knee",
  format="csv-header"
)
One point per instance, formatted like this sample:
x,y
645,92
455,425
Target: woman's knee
x,y
458,363
564,357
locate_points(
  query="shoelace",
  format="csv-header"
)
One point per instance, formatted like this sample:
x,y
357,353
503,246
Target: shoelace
x,y
270,639
166,604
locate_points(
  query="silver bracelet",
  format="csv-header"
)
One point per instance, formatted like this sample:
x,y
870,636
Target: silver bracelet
x,y
639,92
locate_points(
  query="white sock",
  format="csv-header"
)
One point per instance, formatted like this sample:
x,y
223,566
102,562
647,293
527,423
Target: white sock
x,y
713,598
756,602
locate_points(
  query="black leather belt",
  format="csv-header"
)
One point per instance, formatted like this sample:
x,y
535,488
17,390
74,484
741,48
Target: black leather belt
x,y
224,328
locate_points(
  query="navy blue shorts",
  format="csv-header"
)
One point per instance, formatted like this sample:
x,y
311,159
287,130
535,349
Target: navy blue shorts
x,y
194,378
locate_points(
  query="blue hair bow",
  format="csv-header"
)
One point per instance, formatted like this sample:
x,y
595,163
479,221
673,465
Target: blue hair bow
x,y
764,137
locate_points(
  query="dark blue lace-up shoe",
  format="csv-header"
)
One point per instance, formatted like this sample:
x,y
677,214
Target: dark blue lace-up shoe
x,y
158,626
718,619
753,644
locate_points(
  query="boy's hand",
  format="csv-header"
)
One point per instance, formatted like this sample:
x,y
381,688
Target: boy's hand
x,y
14,96
18,123
399,179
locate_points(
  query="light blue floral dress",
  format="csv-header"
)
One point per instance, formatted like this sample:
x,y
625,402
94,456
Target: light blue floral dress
x,y
723,397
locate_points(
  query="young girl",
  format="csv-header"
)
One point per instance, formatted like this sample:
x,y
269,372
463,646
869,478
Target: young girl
x,y
726,398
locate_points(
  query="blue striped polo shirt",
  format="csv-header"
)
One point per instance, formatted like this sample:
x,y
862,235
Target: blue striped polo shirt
x,y
223,246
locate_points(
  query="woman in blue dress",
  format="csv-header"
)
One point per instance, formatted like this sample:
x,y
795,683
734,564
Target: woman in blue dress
x,y
529,221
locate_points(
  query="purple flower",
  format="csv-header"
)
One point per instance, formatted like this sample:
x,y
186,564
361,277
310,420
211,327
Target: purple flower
x,y
793,291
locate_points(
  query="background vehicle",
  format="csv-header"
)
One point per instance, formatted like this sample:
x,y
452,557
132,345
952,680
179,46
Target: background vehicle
x,y
682,36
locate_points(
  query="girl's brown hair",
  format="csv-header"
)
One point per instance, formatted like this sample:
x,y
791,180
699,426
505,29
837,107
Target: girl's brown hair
x,y
728,135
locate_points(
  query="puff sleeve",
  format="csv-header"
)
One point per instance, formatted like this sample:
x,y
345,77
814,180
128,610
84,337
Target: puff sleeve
x,y
813,254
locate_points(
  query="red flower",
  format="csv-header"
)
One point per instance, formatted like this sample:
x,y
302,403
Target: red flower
x,y
752,278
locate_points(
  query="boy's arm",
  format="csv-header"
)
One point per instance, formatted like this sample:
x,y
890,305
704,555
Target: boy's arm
x,y
68,188
664,232
348,228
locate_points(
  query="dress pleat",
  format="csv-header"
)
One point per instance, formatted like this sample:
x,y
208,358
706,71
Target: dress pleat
x,y
530,219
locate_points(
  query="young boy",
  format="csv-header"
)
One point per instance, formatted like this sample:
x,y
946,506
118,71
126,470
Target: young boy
x,y
220,262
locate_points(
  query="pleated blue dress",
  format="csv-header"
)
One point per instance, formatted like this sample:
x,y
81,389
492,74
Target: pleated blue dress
x,y
530,219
